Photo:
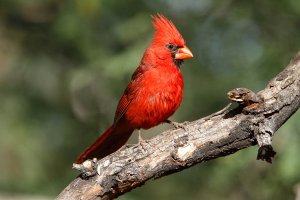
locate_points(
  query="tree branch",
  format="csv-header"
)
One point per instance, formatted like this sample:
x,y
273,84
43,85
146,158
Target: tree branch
x,y
254,121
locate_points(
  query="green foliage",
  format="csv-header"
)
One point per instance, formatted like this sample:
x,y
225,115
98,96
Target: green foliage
x,y
64,65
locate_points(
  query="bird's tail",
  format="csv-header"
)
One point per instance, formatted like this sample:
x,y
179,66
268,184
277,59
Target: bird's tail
x,y
110,141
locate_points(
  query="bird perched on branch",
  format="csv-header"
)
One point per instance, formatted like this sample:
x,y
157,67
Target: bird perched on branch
x,y
153,94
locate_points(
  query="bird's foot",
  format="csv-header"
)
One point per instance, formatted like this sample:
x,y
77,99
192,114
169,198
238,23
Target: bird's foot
x,y
177,124
125,146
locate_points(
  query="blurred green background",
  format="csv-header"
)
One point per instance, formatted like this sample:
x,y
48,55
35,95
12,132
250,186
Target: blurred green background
x,y
65,64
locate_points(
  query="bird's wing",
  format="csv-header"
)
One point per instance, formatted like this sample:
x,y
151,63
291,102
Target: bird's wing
x,y
122,108
130,92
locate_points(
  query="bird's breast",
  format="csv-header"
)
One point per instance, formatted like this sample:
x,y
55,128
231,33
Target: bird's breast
x,y
159,95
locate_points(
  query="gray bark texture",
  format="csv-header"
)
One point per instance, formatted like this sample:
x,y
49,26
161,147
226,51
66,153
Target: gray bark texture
x,y
253,121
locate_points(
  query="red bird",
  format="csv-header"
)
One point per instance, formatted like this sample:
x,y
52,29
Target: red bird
x,y
153,94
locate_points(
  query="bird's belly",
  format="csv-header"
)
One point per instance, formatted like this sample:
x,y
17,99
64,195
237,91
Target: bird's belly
x,y
152,108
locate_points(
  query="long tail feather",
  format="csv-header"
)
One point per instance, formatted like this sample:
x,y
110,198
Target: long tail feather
x,y
110,141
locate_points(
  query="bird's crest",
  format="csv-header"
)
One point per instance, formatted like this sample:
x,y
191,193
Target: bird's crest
x,y
165,31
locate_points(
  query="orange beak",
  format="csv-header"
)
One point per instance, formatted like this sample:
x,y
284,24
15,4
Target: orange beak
x,y
183,53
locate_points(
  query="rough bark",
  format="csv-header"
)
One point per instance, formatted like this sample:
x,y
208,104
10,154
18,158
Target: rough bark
x,y
255,120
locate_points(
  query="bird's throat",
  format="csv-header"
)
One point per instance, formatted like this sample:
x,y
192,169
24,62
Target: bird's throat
x,y
178,63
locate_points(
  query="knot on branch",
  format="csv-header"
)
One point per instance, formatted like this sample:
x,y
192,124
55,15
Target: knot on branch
x,y
184,152
245,98
87,168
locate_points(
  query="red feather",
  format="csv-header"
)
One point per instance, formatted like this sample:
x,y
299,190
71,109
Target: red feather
x,y
153,94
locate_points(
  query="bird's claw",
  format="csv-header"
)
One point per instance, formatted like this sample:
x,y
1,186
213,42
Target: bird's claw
x,y
125,146
178,125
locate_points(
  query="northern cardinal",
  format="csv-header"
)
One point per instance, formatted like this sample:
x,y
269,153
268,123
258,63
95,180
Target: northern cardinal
x,y
153,94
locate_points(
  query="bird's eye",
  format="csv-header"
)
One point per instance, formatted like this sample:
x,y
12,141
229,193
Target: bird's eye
x,y
171,47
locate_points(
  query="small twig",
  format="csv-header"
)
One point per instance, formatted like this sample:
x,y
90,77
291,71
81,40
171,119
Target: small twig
x,y
220,112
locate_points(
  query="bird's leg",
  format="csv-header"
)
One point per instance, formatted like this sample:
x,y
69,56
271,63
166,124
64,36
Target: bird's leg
x,y
141,141
176,124
140,136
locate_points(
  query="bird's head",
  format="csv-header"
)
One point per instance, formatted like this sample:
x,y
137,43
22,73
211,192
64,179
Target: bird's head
x,y
168,44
